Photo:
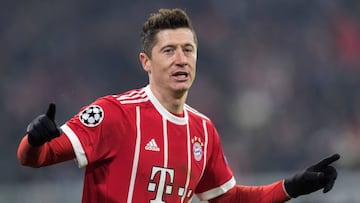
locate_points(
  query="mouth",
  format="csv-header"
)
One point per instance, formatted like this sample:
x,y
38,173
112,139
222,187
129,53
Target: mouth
x,y
180,75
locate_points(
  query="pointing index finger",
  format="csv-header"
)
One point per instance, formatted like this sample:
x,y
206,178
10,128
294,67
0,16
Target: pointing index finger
x,y
327,161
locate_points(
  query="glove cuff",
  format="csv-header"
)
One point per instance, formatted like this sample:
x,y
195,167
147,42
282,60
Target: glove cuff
x,y
35,141
285,191
290,188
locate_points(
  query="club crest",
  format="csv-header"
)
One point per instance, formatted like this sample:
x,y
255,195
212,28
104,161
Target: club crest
x,y
197,148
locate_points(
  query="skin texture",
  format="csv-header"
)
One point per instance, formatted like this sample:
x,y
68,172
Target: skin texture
x,y
171,67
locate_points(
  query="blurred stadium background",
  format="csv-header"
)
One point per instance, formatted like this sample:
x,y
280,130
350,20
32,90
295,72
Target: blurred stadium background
x,y
280,79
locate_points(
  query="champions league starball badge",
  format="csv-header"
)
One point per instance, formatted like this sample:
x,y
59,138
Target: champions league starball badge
x,y
92,116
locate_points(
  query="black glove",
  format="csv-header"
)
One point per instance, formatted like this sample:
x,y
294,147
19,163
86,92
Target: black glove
x,y
316,177
43,128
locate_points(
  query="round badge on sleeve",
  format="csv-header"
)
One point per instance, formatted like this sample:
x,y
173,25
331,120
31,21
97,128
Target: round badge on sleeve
x,y
91,116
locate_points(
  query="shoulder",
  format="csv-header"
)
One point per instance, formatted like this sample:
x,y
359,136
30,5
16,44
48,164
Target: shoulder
x,y
110,107
134,96
116,102
195,113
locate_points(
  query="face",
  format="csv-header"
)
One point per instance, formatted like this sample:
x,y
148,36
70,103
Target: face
x,y
173,62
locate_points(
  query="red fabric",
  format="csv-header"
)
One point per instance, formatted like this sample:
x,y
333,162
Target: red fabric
x,y
273,193
55,151
151,152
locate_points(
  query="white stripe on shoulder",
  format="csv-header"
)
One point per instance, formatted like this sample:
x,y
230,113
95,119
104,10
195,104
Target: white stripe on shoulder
x,y
75,142
133,101
215,192
194,111
132,97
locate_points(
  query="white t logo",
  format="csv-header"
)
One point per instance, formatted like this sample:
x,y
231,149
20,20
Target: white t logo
x,y
161,184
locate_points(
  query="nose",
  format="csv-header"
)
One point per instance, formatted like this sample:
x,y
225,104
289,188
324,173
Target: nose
x,y
181,59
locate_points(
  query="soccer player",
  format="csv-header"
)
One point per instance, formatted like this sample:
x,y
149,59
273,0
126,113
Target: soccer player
x,y
147,144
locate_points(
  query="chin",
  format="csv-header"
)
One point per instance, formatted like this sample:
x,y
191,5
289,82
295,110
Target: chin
x,y
182,88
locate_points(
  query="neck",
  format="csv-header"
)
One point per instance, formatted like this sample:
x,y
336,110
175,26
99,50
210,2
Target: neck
x,y
172,101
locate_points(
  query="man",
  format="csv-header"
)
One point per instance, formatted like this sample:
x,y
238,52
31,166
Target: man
x,y
147,145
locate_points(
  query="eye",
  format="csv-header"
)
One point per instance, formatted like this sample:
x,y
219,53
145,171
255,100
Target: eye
x,y
188,50
168,51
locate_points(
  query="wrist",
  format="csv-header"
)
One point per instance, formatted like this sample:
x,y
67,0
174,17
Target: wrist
x,y
35,141
284,189
290,188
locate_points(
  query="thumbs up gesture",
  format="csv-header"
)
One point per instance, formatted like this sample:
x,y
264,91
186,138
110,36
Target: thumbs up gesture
x,y
43,128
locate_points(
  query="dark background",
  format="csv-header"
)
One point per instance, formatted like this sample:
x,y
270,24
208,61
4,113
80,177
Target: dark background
x,y
280,79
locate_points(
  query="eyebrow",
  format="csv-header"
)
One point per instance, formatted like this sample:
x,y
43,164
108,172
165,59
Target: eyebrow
x,y
173,45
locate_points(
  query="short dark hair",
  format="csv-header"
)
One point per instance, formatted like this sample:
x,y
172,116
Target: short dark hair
x,y
163,19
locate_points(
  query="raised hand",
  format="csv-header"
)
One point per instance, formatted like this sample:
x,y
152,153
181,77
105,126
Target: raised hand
x,y
319,176
43,128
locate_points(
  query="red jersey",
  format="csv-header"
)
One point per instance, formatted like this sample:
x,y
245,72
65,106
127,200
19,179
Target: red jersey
x,y
135,150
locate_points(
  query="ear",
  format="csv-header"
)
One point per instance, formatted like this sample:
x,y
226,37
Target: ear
x,y
145,62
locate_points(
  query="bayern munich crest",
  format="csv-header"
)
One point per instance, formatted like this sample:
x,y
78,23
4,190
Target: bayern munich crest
x,y
92,116
197,148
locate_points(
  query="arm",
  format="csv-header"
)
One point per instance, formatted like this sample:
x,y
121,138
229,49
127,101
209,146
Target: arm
x,y
56,151
273,193
318,176
43,144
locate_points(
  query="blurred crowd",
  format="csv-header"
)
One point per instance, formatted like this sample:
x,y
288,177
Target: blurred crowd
x,y
280,79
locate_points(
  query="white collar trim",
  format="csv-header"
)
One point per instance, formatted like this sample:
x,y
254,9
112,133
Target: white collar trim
x,y
165,113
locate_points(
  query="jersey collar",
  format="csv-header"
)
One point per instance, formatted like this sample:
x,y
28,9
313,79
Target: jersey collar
x,y
165,113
